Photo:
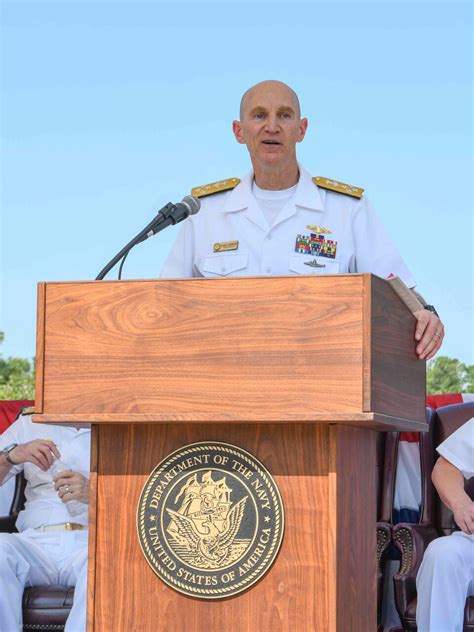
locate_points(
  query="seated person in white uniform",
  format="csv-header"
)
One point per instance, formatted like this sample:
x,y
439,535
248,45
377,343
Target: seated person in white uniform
x,y
51,544
280,221
446,575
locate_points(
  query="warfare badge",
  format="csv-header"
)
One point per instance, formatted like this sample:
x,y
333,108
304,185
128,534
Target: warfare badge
x,y
210,520
319,229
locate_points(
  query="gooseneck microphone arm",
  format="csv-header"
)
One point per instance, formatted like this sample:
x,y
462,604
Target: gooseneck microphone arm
x,y
142,235
169,215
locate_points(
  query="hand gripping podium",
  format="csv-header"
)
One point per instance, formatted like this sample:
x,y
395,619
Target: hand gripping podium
x,y
298,371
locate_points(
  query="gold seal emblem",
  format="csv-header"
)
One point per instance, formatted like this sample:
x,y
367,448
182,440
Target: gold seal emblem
x,y
210,520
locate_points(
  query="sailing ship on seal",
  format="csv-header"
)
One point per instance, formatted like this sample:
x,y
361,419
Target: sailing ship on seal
x,y
203,531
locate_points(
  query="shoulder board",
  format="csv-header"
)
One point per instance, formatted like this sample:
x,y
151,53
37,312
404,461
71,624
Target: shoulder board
x,y
339,187
215,187
28,410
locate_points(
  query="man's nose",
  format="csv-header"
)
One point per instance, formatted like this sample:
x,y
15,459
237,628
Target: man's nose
x,y
272,123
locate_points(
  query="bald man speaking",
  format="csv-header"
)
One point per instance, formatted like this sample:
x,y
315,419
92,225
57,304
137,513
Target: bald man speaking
x,y
279,220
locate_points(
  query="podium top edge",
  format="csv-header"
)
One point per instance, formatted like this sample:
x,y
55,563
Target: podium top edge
x,y
201,279
374,421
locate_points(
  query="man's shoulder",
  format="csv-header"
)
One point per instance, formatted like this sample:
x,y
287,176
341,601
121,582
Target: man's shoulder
x,y
458,447
338,187
17,431
465,432
220,186
27,430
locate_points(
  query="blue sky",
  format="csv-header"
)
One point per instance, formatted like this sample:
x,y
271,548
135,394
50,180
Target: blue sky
x,y
111,109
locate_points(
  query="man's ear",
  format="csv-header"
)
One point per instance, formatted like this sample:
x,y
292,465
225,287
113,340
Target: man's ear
x,y
303,126
238,132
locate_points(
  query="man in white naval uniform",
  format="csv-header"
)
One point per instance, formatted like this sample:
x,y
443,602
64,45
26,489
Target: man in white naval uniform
x,y
446,575
280,221
51,545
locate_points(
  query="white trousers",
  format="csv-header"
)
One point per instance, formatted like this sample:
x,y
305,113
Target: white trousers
x,y
33,558
444,581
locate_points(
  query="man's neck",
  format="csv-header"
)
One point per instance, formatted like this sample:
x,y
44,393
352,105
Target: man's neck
x,y
276,178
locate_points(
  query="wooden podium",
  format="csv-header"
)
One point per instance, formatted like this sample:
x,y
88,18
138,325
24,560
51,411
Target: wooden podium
x,y
298,371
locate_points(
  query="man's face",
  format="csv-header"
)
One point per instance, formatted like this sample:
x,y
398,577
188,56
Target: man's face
x,y
271,125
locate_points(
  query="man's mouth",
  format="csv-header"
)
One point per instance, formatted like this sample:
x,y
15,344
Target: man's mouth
x,y
270,142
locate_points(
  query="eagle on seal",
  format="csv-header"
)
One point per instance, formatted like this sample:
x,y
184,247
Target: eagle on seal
x,y
213,545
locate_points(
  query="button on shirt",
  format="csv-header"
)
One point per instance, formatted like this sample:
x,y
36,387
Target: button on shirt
x,y
43,505
363,245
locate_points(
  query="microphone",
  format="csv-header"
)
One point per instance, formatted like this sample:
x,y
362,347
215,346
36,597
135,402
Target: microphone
x,y
169,215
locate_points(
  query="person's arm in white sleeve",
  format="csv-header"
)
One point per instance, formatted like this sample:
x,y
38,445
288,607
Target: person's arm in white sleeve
x,y
376,253
13,434
449,482
180,261
455,464
374,248
40,452
5,468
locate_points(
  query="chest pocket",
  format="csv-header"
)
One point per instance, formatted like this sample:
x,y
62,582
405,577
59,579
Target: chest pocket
x,y
309,264
222,265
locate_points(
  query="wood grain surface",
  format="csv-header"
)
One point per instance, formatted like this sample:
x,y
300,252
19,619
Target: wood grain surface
x,y
397,377
273,346
92,526
255,362
375,421
294,594
40,338
354,483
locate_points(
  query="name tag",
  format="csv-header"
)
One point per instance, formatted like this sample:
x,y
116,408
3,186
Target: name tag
x,y
225,246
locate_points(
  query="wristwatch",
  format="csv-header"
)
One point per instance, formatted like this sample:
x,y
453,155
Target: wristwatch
x,y
6,453
431,309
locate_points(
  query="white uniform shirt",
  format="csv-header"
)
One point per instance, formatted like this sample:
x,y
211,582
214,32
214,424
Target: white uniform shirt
x,y
43,505
363,245
458,448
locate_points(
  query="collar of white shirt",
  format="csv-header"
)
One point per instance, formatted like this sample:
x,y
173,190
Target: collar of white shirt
x,y
307,194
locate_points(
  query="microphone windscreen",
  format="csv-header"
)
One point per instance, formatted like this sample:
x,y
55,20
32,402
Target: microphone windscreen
x,y
193,203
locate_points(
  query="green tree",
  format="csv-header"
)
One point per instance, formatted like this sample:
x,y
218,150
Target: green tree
x,y
449,375
470,379
17,377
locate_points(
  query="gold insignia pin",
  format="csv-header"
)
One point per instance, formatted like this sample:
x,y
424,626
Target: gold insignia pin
x,y
319,229
225,246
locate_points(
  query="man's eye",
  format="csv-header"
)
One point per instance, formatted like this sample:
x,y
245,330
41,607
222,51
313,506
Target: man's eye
x,y
285,115
259,115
